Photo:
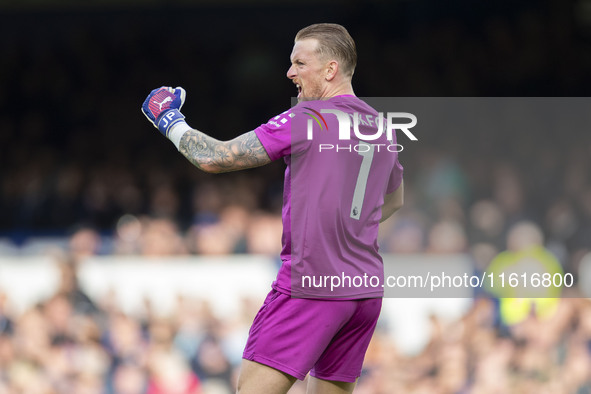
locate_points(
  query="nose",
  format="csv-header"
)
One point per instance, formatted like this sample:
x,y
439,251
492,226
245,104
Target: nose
x,y
291,72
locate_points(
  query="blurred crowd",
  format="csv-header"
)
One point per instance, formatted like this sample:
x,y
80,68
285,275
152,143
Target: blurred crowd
x,y
79,165
469,356
70,343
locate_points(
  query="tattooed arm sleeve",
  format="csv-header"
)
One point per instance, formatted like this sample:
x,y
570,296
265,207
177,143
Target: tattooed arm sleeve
x,y
211,155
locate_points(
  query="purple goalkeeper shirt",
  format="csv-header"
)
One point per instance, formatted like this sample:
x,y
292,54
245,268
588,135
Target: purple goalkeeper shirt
x,y
333,193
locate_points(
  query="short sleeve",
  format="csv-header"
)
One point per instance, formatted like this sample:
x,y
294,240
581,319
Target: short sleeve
x,y
275,135
285,134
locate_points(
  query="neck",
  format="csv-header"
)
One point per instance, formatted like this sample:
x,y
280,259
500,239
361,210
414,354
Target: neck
x,y
339,89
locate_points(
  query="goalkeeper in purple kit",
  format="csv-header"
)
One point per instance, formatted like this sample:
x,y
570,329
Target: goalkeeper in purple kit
x,y
333,204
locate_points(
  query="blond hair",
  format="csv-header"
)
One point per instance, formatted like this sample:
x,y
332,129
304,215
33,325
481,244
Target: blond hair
x,y
334,42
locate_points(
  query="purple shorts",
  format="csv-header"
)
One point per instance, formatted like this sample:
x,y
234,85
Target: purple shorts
x,y
327,338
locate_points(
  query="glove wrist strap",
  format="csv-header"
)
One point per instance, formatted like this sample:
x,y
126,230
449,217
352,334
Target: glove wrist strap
x,y
167,119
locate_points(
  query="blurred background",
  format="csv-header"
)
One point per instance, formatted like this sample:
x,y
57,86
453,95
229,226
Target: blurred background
x,y
88,186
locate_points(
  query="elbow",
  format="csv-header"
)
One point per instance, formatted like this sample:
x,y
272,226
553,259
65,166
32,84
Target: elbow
x,y
211,169
390,210
209,166
394,208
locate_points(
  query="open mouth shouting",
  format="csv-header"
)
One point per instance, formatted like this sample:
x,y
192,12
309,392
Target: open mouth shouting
x,y
299,88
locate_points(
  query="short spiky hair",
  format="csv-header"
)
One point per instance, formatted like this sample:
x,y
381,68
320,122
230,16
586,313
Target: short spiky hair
x,y
333,41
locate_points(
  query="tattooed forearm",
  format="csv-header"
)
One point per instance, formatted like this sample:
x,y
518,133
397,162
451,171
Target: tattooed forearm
x,y
211,155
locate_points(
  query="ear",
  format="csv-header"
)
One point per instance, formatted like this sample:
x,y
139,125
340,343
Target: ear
x,y
332,68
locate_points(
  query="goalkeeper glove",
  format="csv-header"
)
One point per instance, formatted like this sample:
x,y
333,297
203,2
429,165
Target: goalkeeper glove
x,y
162,108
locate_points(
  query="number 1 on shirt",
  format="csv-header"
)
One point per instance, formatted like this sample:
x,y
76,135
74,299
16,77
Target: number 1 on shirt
x,y
361,184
